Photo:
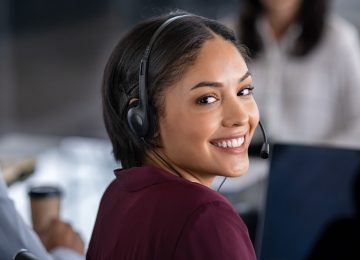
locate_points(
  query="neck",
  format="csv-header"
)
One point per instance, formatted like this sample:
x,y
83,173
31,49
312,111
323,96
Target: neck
x,y
280,21
159,159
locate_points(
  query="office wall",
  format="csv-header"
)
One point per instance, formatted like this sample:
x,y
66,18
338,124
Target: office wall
x,y
52,55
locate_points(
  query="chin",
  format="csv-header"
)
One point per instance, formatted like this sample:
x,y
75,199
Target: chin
x,y
236,172
240,173
239,170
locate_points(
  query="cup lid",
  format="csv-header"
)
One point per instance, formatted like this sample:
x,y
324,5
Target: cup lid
x,y
44,191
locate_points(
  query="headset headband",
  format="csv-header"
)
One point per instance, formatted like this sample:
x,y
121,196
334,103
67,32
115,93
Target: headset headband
x,y
139,116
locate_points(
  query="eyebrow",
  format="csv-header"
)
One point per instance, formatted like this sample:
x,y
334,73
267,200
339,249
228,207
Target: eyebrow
x,y
217,84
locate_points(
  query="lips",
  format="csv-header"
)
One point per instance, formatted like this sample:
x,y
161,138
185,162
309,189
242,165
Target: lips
x,y
229,143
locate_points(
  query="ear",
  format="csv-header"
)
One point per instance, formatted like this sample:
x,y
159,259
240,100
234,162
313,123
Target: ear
x,y
133,103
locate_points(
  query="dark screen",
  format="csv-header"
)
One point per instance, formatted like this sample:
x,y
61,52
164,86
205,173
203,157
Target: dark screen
x,y
309,188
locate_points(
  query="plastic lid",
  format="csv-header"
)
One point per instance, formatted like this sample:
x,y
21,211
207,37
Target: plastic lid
x,y
44,191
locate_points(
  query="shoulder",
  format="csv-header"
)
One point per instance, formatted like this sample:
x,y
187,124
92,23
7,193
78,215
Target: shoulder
x,y
153,185
341,40
214,231
216,213
184,197
341,25
341,32
198,192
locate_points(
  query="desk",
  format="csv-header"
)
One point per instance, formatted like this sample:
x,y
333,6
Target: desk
x,y
83,168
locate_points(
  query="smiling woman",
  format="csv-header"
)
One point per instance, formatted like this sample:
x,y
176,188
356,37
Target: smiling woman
x,y
179,110
218,115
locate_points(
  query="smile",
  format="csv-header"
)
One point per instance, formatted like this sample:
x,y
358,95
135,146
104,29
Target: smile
x,y
229,143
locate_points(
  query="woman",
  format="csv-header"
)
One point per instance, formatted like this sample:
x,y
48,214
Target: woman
x,y
195,124
306,65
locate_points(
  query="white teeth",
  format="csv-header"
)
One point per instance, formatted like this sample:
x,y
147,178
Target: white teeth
x,y
234,143
231,143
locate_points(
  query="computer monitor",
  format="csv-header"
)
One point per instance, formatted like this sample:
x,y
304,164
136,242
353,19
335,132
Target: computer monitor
x,y
308,189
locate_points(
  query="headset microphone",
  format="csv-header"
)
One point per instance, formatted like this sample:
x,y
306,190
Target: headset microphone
x,y
265,148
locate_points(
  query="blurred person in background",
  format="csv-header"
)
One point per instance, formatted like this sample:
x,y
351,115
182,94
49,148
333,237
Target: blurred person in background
x,y
306,67
59,242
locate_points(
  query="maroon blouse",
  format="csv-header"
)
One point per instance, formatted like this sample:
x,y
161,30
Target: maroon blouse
x,y
148,213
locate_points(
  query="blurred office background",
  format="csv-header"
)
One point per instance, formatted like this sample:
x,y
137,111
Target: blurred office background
x,y
52,55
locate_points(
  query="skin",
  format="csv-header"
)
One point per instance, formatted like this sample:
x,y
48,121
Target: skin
x,y
211,104
61,234
281,14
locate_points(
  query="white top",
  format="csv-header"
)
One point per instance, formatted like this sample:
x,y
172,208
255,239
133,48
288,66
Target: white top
x,y
16,235
312,99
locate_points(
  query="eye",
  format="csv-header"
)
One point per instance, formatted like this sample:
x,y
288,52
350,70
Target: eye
x,y
246,91
207,100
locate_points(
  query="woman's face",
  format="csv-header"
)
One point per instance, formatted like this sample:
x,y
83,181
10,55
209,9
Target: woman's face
x,y
210,115
281,6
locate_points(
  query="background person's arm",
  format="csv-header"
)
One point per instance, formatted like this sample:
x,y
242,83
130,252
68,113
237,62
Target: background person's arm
x,y
15,234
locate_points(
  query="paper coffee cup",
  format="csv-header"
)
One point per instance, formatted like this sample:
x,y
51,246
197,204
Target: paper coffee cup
x,y
45,205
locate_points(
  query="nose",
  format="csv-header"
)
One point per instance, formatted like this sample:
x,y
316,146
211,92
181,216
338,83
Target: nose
x,y
235,112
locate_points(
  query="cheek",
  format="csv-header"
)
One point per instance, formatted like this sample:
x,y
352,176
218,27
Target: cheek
x,y
254,116
185,129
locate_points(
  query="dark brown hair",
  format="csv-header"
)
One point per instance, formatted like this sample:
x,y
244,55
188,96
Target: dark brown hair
x,y
174,50
311,18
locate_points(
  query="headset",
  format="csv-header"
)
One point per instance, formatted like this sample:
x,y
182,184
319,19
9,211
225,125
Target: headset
x,y
140,118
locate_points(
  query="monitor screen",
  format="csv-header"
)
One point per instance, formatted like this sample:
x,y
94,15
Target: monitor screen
x,y
310,189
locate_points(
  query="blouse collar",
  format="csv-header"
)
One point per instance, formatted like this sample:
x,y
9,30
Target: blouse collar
x,y
287,41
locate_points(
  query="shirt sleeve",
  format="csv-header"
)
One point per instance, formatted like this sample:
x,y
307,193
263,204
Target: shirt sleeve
x,y
63,253
15,234
348,62
214,231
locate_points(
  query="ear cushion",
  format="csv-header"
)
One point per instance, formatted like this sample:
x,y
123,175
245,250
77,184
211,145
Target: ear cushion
x,y
136,120
141,122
